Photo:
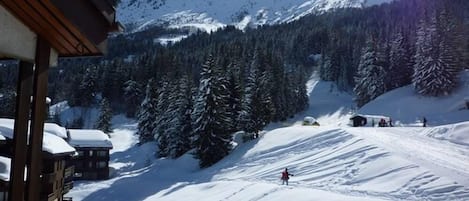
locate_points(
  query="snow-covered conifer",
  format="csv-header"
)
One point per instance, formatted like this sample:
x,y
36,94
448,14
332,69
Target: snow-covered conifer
x,y
211,140
147,114
104,120
369,82
400,68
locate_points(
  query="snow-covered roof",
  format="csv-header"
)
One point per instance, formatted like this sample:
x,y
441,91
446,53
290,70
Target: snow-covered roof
x,y
51,143
55,129
372,116
55,145
5,164
88,138
309,119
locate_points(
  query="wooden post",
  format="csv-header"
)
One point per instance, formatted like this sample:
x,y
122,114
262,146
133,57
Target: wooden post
x,y
33,183
23,103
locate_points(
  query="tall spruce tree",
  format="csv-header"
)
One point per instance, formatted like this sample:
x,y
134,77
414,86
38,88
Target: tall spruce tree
x,y
147,114
87,88
369,82
132,97
400,68
104,120
177,135
166,97
435,67
211,140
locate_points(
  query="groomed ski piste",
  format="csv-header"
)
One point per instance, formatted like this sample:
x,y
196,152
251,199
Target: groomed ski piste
x,y
332,162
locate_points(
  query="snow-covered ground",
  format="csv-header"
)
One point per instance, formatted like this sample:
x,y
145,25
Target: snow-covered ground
x,y
329,162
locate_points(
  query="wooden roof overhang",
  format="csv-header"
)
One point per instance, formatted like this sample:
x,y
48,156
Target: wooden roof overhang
x,y
72,27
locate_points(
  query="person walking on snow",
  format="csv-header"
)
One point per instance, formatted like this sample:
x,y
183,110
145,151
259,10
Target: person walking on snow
x,y
285,176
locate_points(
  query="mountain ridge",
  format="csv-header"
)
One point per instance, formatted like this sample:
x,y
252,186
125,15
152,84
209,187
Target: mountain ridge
x,y
209,15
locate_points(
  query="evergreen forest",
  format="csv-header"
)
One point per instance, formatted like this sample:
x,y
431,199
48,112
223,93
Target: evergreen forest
x,y
194,94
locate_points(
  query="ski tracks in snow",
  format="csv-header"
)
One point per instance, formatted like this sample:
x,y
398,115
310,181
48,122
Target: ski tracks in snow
x,y
351,162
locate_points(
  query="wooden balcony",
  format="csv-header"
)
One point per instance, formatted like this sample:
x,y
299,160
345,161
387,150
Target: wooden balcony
x,y
69,172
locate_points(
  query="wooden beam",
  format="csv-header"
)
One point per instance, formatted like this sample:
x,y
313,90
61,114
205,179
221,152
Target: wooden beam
x,y
33,184
17,40
18,161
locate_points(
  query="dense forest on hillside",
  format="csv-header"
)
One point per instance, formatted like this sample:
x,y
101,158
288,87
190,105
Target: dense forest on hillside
x,y
202,89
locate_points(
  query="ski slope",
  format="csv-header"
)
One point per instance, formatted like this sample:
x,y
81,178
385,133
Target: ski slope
x,y
332,162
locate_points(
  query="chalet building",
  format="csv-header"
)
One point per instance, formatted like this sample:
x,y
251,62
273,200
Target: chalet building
x,y
92,162
37,33
360,120
56,177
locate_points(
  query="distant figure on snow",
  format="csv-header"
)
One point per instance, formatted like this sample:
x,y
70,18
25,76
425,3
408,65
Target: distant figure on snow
x,y
285,176
390,122
424,122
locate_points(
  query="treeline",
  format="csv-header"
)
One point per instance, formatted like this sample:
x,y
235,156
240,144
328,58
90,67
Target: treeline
x,y
196,93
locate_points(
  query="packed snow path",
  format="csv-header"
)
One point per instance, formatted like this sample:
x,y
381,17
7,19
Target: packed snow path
x,y
365,161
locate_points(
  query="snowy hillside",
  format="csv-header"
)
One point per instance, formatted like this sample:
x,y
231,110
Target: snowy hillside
x,y
332,162
210,15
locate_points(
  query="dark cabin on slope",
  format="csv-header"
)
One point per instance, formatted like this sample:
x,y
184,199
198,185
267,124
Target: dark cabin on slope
x,y
92,162
358,121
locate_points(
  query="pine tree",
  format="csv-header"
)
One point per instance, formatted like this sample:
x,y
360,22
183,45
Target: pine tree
x,y
436,64
256,100
132,97
104,120
211,140
174,140
233,87
147,114
163,116
369,82
400,69
87,87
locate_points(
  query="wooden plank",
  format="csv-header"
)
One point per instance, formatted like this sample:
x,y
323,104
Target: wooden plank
x,y
37,120
73,28
55,24
18,161
17,40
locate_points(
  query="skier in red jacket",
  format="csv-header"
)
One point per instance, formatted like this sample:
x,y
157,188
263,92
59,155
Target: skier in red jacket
x,y
285,176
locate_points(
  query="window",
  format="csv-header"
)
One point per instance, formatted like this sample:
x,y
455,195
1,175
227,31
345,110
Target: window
x,y
101,153
80,153
78,165
90,164
78,174
91,153
101,164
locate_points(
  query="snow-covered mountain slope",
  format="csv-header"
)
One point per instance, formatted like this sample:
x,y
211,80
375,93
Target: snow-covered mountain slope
x,y
332,162
210,15
406,107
